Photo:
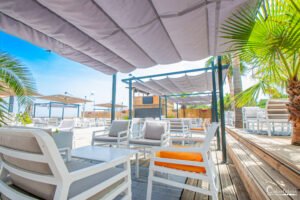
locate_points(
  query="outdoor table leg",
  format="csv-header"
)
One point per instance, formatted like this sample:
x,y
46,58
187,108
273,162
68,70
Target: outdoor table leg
x,y
137,172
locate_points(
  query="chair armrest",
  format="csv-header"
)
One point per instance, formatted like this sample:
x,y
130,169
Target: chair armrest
x,y
164,139
98,131
67,151
122,134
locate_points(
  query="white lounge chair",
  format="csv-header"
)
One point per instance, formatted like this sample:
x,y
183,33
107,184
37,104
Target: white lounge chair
x,y
178,130
278,115
66,125
32,168
204,169
154,133
251,118
117,133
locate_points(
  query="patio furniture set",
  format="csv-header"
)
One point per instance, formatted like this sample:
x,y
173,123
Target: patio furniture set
x,y
273,120
32,165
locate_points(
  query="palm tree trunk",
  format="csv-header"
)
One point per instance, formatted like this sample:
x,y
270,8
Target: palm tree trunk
x,y
237,85
293,91
231,89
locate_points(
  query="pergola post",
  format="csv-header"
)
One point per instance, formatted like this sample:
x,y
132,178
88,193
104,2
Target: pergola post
x,y
63,111
130,99
78,108
214,102
166,107
11,104
50,105
34,109
177,114
222,116
159,107
113,96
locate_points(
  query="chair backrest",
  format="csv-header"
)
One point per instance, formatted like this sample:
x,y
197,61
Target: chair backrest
x,y
67,124
176,125
250,112
31,160
118,126
277,109
153,129
211,132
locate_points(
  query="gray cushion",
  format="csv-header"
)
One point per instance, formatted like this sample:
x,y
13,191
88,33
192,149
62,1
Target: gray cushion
x,y
118,126
145,142
25,141
154,129
105,139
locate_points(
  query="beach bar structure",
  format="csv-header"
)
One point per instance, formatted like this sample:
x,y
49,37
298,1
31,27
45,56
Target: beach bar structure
x,y
60,101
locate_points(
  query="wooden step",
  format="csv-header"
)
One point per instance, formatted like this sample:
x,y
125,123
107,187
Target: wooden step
x,y
261,180
278,158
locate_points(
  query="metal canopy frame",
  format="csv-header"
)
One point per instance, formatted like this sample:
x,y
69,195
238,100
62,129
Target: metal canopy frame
x,y
52,104
214,103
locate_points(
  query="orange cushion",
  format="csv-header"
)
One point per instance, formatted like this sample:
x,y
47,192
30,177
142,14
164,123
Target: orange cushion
x,y
197,129
190,156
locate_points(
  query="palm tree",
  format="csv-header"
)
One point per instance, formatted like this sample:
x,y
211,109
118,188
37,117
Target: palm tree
x,y
16,80
235,71
268,36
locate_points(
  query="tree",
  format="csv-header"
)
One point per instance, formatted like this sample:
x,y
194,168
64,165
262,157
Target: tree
x,y
235,70
268,36
15,79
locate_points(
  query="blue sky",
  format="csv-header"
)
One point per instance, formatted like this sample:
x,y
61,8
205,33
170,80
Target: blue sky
x,y
55,75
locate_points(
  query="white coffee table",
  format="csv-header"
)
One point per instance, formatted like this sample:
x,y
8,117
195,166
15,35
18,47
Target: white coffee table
x,y
105,154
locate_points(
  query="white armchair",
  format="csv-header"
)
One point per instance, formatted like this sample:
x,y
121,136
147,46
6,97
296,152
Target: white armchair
x,y
117,134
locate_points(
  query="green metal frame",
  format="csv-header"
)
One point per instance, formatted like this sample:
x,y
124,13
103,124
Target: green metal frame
x,y
214,104
222,115
113,97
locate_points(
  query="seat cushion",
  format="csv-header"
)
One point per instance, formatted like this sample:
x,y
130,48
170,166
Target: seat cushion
x,y
23,140
197,129
145,142
153,130
118,126
105,139
188,156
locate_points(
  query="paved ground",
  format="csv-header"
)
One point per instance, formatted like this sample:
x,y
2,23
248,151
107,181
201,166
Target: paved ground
x,y
83,136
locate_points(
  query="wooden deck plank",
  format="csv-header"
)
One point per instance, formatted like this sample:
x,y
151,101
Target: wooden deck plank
x,y
278,147
281,181
240,189
276,162
266,184
228,190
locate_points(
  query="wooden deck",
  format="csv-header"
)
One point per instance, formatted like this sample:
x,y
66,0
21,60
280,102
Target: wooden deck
x,y
231,186
276,151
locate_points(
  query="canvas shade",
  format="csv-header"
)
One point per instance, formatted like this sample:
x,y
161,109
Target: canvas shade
x,y
64,99
191,99
120,36
180,85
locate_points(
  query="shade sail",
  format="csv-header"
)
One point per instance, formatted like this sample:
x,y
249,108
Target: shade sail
x,y
64,99
109,105
180,85
119,36
191,99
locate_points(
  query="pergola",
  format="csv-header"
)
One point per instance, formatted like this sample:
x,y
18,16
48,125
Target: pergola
x,y
133,34
194,88
109,106
60,101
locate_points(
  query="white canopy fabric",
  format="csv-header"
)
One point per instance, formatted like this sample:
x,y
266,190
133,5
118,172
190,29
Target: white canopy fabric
x,y
191,99
119,36
181,85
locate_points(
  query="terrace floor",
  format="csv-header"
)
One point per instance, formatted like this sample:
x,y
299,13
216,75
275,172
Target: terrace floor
x,y
232,187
